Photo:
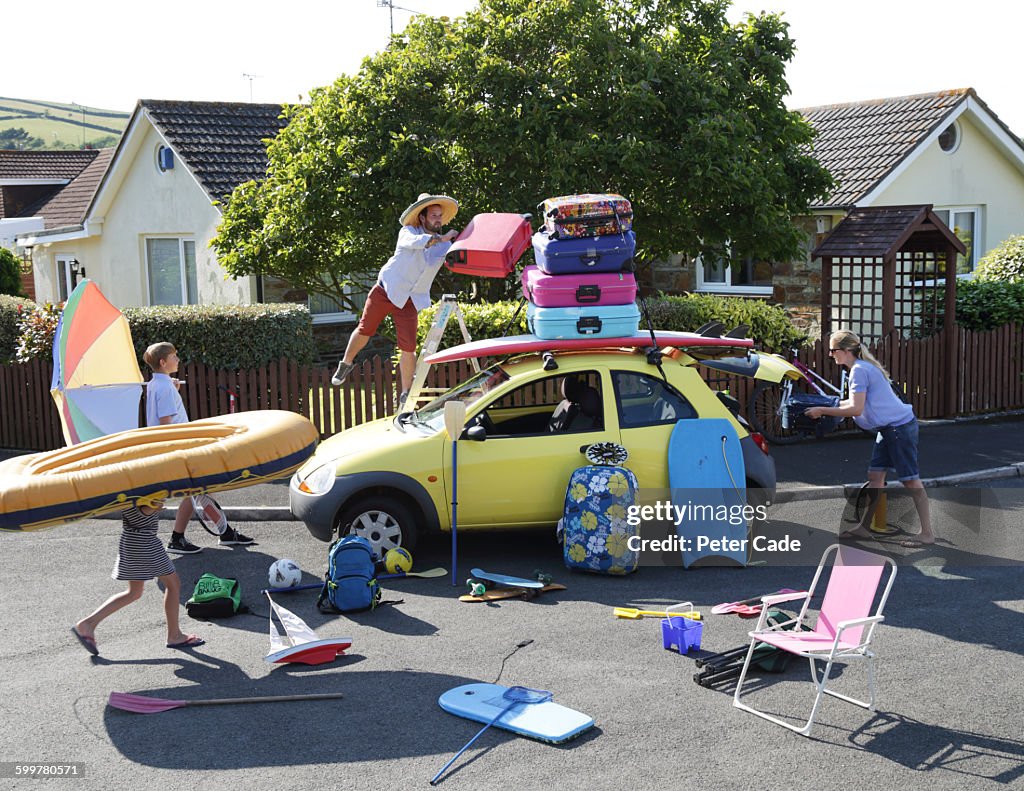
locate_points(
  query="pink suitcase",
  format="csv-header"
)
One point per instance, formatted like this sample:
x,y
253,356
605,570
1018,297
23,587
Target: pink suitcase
x,y
588,288
490,245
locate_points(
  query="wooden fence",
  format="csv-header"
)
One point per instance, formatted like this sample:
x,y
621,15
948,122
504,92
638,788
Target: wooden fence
x,y
989,377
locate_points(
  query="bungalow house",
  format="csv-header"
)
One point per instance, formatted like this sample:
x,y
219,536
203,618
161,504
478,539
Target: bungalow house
x,y
945,149
45,189
143,229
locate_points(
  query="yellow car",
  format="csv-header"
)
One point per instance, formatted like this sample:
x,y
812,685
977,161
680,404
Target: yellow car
x,y
525,433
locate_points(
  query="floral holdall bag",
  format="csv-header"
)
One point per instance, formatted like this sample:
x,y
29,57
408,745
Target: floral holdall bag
x,y
595,531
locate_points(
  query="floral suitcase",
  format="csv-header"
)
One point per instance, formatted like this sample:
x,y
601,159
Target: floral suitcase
x,y
597,321
593,254
490,245
595,531
588,214
591,288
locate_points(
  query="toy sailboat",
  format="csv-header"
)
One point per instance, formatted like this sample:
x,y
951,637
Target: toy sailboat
x,y
299,643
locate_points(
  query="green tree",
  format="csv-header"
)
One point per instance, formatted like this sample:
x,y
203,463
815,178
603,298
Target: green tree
x,y
17,138
664,102
10,274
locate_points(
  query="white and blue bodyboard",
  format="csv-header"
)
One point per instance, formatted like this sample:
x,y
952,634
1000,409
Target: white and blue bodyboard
x,y
705,468
548,721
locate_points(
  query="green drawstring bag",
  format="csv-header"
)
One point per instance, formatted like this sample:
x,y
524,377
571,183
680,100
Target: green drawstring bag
x,y
215,597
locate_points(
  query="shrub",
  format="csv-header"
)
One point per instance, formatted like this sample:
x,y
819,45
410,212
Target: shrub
x,y
1003,263
10,274
987,304
11,310
226,336
35,332
769,325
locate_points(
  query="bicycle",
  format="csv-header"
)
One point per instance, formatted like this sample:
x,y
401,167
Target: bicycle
x,y
768,412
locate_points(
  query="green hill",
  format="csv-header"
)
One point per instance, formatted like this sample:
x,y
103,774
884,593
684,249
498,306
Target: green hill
x,y
52,125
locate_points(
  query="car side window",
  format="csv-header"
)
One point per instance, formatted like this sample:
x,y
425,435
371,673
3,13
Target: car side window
x,y
532,408
644,400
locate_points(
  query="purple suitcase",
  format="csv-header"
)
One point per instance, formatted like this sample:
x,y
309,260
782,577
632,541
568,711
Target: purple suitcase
x,y
592,254
567,291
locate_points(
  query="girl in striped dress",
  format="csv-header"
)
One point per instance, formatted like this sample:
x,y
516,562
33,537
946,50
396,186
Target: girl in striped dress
x,y
140,557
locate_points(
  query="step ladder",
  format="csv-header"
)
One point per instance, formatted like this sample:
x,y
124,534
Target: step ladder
x,y
447,308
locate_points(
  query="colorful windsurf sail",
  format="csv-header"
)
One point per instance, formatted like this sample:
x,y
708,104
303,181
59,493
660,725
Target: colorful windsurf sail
x,y
96,383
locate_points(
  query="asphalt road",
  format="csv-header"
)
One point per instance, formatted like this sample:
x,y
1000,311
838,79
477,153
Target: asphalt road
x,y
950,684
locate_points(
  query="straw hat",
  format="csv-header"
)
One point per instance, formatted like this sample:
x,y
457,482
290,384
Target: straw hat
x,y
449,208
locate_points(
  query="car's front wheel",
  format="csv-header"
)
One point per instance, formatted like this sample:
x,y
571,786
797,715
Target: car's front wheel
x,y
383,521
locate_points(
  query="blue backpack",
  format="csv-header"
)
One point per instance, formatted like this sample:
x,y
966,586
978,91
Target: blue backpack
x,y
351,581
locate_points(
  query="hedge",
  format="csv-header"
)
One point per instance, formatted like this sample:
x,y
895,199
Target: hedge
x,y
222,336
226,336
769,324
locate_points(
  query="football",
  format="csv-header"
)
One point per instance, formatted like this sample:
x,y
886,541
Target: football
x,y
284,573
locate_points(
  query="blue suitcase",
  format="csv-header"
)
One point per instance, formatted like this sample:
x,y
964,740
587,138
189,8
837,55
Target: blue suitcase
x,y
595,531
590,321
591,254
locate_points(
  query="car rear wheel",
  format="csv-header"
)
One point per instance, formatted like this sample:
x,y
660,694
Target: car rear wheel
x,y
383,521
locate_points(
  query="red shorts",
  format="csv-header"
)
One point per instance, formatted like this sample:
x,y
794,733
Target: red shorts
x,y
378,306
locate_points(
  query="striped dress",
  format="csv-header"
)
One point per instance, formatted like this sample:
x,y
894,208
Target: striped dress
x,y
140,553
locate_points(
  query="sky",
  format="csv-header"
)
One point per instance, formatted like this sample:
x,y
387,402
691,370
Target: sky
x,y
110,53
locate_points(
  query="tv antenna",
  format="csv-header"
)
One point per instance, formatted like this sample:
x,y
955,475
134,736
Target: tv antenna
x,y
390,5
250,78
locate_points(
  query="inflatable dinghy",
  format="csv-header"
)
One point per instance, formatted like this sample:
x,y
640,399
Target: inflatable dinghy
x,y
177,460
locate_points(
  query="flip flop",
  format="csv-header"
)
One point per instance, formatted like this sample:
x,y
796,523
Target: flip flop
x,y
913,543
192,641
88,643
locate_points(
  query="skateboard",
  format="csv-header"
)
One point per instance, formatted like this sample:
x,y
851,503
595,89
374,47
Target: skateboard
x,y
505,580
513,593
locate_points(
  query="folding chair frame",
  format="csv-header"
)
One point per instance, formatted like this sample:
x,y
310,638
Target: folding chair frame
x,y
828,655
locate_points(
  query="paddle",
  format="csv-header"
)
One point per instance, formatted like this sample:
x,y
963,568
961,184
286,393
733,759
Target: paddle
x,y
632,612
454,420
743,608
140,704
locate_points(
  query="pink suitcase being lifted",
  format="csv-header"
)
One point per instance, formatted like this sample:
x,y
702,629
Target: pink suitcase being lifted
x,y
490,245
587,288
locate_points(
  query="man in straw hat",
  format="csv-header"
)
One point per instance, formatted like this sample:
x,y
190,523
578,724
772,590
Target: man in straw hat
x,y
403,285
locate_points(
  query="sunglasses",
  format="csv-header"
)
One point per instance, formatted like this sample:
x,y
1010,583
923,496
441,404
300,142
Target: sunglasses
x,y
833,351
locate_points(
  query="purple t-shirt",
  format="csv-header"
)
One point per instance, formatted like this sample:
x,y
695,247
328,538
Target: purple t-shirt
x,y
881,406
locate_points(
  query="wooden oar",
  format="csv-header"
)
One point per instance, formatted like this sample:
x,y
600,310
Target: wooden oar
x,y
632,612
140,704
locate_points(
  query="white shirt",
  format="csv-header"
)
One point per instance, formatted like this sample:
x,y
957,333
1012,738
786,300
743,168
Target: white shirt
x,y
410,271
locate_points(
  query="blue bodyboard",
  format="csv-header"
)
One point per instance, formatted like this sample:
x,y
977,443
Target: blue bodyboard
x,y
548,721
705,468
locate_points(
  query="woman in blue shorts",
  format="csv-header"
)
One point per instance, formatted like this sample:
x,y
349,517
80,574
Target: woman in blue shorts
x,y
875,407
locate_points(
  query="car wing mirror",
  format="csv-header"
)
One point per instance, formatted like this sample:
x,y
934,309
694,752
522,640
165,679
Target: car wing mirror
x,y
475,433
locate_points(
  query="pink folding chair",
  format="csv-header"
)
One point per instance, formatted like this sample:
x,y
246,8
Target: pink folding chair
x,y
842,632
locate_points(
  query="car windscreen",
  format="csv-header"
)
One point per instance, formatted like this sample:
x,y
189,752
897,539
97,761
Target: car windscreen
x,y
431,416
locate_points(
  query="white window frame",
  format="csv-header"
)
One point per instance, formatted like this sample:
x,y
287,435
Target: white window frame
x,y
181,266
338,317
976,241
62,273
727,287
